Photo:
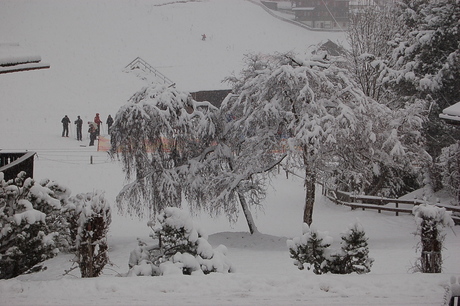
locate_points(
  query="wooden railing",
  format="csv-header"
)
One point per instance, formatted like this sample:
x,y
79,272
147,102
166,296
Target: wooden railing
x,y
11,163
383,204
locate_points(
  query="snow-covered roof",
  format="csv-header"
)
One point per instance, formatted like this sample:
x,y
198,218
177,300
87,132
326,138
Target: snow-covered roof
x,y
14,58
451,113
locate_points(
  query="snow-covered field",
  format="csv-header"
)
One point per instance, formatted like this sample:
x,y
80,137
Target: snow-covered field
x,y
88,43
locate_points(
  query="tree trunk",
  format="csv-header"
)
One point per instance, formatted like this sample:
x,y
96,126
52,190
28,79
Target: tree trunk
x,y
247,213
310,182
431,259
458,172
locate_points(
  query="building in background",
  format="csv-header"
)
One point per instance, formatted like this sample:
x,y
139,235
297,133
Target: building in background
x,y
322,14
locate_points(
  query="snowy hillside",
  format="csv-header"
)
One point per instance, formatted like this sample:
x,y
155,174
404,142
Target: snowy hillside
x,y
88,43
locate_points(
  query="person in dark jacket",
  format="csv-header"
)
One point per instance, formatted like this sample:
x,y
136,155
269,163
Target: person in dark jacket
x,y
109,123
79,124
92,130
65,126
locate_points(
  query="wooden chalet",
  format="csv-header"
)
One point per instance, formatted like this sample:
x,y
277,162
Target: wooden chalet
x,y
215,97
322,14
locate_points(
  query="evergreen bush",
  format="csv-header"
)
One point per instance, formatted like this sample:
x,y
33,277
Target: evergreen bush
x,y
181,248
310,249
313,248
29,225
90,218
354,253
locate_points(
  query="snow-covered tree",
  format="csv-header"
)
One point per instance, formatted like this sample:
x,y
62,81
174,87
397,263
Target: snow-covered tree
x,y
155,134
311,250
426,60
28,233
190,148
426,65
309,104
93,216
378,156
369,34
231,175
431,220
449,162
384,165
354,254
182,248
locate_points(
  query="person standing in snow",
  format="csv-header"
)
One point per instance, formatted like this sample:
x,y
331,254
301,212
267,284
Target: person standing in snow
x,y
203,37
65,126
109,123
92,130
79,124
98,121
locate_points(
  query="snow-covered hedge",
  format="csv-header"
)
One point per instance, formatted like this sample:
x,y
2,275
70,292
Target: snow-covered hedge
x,y
182,248
313,250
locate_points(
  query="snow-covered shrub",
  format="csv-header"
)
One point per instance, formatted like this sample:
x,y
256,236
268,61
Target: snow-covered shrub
x,y
29,224
181,249
92,216
430,221
311,248
354,253
56,219
314,248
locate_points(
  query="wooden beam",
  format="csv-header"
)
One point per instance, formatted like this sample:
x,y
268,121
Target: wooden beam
x,y
23,67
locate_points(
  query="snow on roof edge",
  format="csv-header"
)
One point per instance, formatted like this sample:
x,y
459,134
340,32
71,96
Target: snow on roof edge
x,y
451,113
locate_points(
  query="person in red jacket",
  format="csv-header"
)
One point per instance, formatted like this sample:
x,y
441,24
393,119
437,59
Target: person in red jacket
x,y
98,121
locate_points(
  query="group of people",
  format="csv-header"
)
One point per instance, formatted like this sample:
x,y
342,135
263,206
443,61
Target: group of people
x,y
94,127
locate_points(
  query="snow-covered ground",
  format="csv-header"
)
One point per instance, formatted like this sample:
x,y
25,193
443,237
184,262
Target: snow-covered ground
x,y
88,43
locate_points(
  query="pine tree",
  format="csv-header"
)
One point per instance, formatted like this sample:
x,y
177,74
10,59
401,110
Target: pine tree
x,y
310,249
313,249
28,235
355,250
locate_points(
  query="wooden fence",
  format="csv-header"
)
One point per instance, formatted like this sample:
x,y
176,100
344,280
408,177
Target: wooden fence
x,y
383,204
